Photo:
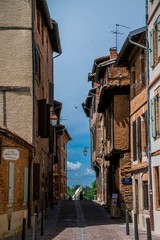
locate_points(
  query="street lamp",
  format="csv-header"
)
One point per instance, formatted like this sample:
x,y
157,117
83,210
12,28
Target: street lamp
x,y
85,151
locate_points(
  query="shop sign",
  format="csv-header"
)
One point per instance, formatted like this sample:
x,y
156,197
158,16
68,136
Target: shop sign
x,y
10,154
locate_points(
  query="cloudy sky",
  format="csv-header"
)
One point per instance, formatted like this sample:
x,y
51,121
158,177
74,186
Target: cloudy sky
x,y
86,31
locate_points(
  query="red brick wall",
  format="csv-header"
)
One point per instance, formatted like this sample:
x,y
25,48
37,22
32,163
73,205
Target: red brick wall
x,y
121,122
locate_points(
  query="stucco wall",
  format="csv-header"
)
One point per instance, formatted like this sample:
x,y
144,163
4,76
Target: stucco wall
x,y
16,66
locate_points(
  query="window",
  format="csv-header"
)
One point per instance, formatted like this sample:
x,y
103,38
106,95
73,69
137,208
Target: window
x,y
155,43
108,123
43,118
158,35
139,138
134,132
11,182
93,132
143,73
64,164
139,133
145,195
155,115
151,48
93,104
38,20
25,185
144,132
36,175
37,68
157,186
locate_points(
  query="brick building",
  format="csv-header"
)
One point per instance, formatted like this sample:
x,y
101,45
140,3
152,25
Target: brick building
x,y
111,128
16,156
28,38
60,166
133,57
153,22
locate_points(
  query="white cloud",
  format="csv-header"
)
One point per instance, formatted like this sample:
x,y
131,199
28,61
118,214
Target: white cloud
x,y
88,172
73,166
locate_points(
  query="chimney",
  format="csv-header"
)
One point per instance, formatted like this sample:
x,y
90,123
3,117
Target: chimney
x,y
113,53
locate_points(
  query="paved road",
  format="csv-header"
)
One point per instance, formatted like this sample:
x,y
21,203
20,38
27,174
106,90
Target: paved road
x,y
82,220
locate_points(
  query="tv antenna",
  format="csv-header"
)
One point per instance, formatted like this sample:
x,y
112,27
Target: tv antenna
x,y
118,33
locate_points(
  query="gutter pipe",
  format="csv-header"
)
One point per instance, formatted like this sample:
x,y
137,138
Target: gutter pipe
x,y
135,43
149,124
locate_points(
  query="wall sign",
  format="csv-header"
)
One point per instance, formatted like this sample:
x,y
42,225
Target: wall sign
x,y
127,181
10,154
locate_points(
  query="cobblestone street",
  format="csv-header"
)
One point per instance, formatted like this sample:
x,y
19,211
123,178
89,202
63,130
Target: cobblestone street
x,y
83,220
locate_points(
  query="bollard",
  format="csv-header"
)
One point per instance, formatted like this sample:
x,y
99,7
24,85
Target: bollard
x,y
24,229
42,224
127,223
136,227
35,227
149,236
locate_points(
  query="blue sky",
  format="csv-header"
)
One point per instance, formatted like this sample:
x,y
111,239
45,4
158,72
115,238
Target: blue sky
x,y
86,32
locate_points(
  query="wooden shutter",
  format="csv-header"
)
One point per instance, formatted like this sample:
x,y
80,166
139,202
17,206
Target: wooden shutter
x,y
158,35
47,120
51,139
139,138
146,128
158,113
36,187
151,48
11,182
43,118
51,97
134,142
153,117
25,185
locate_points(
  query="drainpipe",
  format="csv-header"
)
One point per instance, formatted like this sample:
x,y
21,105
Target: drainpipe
x,y
149,124
33,78
103,196
31,157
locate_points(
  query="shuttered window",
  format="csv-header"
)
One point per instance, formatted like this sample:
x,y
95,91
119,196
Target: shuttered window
x,y
151,48
51,97
51,139
25,185
139,138
145,195
157,186
108,123
158,35
153,117
146,130
36,182
11,182
158,114
134,142
37,69
43,118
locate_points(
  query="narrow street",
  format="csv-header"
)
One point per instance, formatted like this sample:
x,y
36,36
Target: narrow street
x,y
82,220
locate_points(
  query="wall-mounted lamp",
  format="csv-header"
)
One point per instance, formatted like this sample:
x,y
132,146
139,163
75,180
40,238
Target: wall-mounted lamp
x,y
54,117
85,151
